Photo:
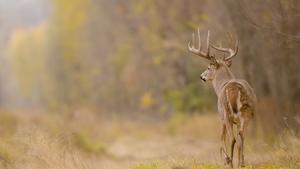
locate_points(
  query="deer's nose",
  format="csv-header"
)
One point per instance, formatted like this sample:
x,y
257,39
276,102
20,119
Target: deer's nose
x,y
202,78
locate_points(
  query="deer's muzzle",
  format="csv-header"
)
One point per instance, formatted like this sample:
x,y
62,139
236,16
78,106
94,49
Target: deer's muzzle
x,y
202,78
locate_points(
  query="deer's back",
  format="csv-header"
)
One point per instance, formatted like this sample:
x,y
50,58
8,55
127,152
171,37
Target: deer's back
x,y
237,96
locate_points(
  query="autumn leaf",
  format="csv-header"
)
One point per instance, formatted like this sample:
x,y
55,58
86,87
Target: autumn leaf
x,y
147,100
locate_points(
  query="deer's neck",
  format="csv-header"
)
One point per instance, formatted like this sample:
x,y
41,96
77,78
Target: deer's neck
x,y
223,75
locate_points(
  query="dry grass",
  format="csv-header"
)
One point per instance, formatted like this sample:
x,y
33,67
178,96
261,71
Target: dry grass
x,y
82,140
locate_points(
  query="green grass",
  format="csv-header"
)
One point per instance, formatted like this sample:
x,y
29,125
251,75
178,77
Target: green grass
x,y
152,165
179,165
87,144
207,165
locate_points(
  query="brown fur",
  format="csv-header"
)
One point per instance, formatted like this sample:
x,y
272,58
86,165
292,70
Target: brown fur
x,y
247,100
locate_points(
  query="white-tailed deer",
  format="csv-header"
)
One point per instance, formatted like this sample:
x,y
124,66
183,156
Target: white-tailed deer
x,y
236,99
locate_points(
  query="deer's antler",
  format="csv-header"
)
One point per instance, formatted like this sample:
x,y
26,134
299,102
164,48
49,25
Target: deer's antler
x,y
198,51
231,52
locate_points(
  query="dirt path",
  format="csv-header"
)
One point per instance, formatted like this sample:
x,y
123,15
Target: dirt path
x,y
128,152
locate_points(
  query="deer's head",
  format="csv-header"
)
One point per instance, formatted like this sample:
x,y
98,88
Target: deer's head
x,y
215,63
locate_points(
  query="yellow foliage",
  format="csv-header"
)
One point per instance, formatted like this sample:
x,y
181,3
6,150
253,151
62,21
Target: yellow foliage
x,y
147,100
68,22
27,51
122,57
146,6
158,60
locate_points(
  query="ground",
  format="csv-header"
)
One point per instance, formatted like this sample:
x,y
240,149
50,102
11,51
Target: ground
x,y
84,140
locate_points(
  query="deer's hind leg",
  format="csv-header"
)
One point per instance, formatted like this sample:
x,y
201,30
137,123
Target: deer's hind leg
x,y
227,129
241,138
232,139
232,150
223,149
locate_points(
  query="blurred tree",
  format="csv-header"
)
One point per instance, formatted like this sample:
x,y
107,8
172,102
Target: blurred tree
x,y
68,43
28,51
130,56
270,42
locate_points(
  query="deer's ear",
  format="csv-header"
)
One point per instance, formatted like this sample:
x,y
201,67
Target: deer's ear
x,y
228,63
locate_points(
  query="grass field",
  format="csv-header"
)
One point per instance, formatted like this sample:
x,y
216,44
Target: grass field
x,y
82,140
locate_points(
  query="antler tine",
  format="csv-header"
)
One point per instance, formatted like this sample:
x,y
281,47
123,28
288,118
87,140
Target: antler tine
x,y
207,43
230,51
198,51
199,38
